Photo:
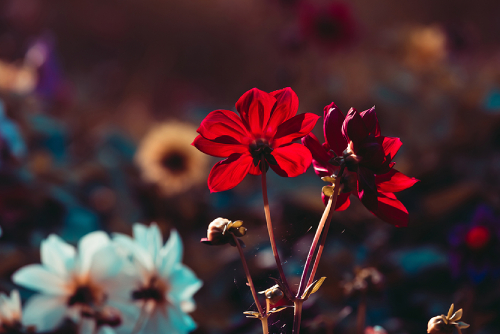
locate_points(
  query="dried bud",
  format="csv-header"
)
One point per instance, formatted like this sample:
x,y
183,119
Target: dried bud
x,y
221,231
273,294
444,324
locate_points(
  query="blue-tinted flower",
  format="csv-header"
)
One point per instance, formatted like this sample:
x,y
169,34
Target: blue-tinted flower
x,y
70,284
10,311
164,287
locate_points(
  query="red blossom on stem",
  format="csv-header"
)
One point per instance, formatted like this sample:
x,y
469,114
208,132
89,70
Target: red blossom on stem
x,y
355,140
260,137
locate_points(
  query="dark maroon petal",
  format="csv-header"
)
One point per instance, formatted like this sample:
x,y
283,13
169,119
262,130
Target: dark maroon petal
x,y
317,150
255,108
332,128
391,210
371,153
228,173
394,181
391,146
296,127
371,121
354,128
221,123
367,191
293,160
220,147
287,104
343,202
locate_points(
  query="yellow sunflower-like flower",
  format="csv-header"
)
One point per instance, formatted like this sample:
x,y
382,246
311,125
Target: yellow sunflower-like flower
x,y
166,158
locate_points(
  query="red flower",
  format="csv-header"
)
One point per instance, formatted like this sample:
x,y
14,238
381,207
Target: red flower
x,y
265,129
355,141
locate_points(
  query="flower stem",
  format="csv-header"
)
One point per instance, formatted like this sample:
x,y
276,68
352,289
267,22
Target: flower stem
x,y
325,225
249,278
265,329
271,233
360,320
297,315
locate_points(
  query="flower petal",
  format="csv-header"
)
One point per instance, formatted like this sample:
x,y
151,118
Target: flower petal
x,y
255,109
57,255
354,128
391,146
296,127
293,160
38,278
394,181
44,312
228,173
367,191
170,254
332,128
221,123
184,284
181,321
369,116
391,210
88,246
222,146
317,150
287,104
343,201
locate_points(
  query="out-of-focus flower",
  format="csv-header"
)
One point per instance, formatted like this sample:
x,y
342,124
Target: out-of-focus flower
x,y
475,245
425,47
444,324
17,78
364,279
10,136
375,330
166,158
163,286
332,26
70,284
10,312
220,232
260,138
355,140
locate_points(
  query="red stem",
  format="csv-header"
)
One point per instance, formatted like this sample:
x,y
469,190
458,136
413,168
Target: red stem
x,y
270,230
336,191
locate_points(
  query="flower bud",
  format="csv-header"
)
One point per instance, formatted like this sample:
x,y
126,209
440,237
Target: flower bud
x,y
221,231
274,294
437,326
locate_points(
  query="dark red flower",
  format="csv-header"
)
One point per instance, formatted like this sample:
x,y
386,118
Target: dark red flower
x,y
355,141
264,131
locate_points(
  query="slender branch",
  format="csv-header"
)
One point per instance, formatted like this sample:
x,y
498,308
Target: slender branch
x,y
297,315
270,230
336,191
361,316
314,243
247,273
265,329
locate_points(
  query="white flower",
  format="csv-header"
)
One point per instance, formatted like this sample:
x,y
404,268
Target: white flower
x,y
70,284
10,311
164,287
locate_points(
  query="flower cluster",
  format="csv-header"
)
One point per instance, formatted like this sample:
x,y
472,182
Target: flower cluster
x,y
121,283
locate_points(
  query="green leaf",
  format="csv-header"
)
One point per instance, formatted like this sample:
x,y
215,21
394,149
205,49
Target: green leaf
x,y
328,191
252,314
274,310
462,324
313,288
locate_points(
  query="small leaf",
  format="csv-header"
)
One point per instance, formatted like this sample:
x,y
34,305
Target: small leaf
x,y
457,315
274,310
313,288
445,320
236,224
450,312
462,324
252,314
328,179
328,191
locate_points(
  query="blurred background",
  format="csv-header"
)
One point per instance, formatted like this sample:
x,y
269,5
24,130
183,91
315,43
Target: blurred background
x,y
100,100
